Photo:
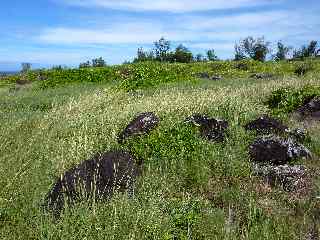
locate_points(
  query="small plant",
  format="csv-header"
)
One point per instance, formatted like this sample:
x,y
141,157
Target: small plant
x,y
302,68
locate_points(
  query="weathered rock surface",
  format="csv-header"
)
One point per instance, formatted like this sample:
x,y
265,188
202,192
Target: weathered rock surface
x,y
143,123
96,178
216,78
295,179
210,128
203,75
262,75
266,124
277,151
311,109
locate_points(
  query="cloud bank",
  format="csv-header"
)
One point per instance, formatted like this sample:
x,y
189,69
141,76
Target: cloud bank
x,y
170,5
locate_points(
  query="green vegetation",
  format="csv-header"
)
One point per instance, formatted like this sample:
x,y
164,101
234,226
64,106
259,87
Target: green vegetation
x,y
190,188
286,100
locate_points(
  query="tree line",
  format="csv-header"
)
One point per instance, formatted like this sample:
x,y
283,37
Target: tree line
x,y
247,48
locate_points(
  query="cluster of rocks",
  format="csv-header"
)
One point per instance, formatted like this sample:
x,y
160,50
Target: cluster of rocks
x,y
271,155
205,75
117,170
311,110
210,128
102,175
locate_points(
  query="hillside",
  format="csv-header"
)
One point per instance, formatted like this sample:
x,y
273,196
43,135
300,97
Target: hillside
x,y
190,187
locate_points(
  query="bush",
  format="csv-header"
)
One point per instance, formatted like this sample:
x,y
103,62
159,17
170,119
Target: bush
x,y
302,68
286,100
54,78
149,74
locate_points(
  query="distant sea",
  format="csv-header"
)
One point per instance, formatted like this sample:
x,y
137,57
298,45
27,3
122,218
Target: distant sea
x,y
8,73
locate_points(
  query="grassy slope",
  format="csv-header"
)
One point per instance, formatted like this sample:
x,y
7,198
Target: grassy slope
x,y
188,185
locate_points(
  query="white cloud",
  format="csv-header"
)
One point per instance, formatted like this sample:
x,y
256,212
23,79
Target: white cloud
x,y
169,5
196,28
212,45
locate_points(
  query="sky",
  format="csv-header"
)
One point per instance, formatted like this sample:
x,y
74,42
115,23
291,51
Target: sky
x,y
67,32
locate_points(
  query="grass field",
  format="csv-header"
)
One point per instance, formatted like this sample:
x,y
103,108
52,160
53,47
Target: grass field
x,y
189,187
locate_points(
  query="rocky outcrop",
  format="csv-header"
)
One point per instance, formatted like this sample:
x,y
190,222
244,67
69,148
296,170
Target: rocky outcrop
x,y
295,179
311,109
96,178
143,123
276,150
266,124
262,75
210,128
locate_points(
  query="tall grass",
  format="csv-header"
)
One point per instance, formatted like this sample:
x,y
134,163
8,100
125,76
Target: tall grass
x,y
188,185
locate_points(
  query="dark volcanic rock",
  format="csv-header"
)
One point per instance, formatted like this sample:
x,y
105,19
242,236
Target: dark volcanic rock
x,y
141,124
204,75
210,128
295,179
266,124
299,134
96,178
262,75
22,81
311,109
216,78
276,150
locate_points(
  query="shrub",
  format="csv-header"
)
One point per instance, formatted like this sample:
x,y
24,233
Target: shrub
x,y
302,68
149,74
286,100
54,78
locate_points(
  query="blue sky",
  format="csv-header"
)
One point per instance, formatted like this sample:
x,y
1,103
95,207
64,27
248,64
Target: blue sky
x,y
51,32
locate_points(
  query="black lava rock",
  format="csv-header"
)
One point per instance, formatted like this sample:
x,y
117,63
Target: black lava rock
x,y
262,75
266,124
210,128
290,178
277,151
311,109
143,123
203,75
96,178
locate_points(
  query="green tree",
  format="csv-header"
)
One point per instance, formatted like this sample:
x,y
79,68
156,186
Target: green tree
x,y
238,53
312,49
306,51
182,54
25,67
144,56
199,58
162,48
256,49
212,55
282,52
98,62
86,64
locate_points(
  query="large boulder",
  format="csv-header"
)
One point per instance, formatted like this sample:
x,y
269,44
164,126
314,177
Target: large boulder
x,y
277,151
143,123
266,124
311,109
210,128
262,75
295,179
203,75
96,178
